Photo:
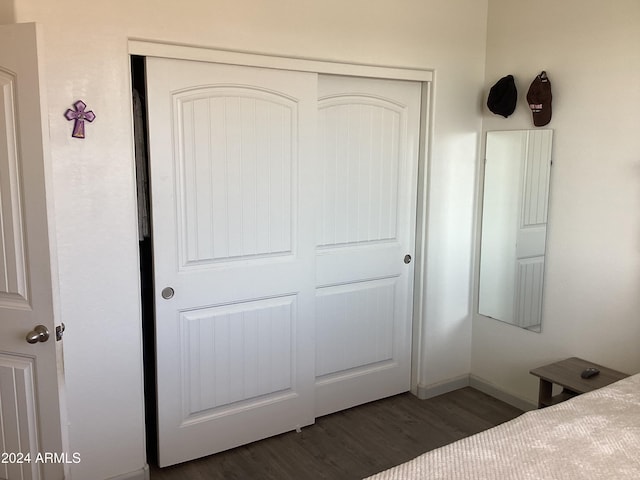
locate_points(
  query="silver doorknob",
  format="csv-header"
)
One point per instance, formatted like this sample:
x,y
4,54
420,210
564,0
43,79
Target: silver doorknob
x,y
167,293
38,334
407,258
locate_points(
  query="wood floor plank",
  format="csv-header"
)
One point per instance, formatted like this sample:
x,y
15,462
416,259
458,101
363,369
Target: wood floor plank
x,y
354,443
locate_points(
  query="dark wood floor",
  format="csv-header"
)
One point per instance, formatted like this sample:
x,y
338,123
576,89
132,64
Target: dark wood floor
x,y
354,443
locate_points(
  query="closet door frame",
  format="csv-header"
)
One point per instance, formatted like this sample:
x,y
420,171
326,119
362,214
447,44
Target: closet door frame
x,y
424,76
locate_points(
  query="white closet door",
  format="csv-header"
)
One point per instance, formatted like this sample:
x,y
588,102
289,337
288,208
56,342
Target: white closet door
x,y
368,159
232,182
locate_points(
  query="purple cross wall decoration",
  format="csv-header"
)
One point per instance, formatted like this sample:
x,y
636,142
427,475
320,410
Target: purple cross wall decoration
x,y
80,116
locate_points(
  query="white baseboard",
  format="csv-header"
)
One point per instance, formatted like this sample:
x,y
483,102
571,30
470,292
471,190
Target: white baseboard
x,y
429,391
435,389
142,474
496,392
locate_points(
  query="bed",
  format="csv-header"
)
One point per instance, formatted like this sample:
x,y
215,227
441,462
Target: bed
x,y
592,436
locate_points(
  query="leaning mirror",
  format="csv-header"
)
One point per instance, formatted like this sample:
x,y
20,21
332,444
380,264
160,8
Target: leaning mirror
x,y
514,226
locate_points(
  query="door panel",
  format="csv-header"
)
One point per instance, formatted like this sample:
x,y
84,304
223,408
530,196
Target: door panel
x,y
356,330
13,263
368,137
234,210
232,176
528,301
237,353
360,152
29,395
18,428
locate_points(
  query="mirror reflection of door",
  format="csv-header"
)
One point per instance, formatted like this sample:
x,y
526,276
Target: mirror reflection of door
x,y
514,226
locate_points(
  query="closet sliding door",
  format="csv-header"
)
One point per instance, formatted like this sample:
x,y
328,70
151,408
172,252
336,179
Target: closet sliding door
x,y
233,191
368,137
283,208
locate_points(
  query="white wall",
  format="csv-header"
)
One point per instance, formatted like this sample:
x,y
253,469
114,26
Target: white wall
x,y
86,58
591,306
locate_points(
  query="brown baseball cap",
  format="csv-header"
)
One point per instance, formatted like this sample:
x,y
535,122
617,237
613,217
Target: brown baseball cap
x,y
539,99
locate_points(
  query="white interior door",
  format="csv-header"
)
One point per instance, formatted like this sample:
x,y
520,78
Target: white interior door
x,y
232,183
29,396
368,136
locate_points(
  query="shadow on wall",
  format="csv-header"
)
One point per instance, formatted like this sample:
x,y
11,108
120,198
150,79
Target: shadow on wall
x,y
7,13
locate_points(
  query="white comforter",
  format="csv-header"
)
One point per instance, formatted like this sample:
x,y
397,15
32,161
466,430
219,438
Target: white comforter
x,y
593,436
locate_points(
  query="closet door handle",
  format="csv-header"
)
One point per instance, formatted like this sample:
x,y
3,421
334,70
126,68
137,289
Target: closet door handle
x,y
407,258
167,293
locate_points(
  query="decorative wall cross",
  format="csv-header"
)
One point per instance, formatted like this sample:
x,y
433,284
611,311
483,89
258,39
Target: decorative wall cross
x,y
80,116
